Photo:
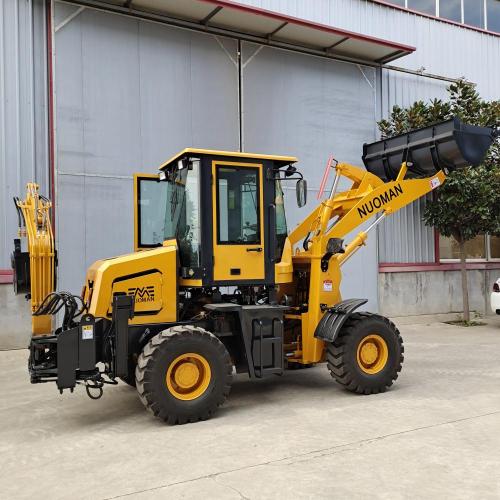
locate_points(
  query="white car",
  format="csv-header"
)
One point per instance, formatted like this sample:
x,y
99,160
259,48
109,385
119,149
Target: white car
x,y
495,297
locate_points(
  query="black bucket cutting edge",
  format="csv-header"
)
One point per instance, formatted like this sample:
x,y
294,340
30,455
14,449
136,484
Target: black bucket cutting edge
x,y
448,145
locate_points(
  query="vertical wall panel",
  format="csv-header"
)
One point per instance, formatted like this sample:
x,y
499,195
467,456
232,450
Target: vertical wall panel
x,y
442,48
403,237
23,152
129,94
311,107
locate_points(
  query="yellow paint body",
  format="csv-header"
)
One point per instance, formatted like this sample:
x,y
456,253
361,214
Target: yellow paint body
x,y
150,276
38,231
367,196
226,257
232,154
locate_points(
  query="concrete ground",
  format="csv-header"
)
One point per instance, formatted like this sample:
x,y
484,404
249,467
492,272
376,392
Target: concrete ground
x,y
436,434
15,320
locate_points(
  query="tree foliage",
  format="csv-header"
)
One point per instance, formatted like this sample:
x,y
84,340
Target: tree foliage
x,y
468,204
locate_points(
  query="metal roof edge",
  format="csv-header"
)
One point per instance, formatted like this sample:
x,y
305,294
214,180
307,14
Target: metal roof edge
x,y
309,24
387,3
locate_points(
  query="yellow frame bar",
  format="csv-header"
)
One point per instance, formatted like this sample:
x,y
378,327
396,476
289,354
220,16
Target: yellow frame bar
x,y
41,247
368,196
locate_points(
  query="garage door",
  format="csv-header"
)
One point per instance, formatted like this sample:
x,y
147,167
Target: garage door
x,y
129,94
310,107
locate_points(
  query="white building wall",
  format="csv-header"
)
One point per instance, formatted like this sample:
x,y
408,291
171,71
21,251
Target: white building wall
x,y
403,237
23,110
129,95
442,48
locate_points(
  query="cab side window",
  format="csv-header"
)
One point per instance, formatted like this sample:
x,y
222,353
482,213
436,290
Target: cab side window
x,y
238,206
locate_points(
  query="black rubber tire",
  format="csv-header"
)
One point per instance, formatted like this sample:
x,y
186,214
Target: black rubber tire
x,y
342,354
153,363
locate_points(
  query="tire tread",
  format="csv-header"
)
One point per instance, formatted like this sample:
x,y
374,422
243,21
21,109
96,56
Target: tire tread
x,y
336,355
146,360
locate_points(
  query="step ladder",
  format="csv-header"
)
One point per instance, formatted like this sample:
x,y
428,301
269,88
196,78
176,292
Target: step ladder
x,y
267,346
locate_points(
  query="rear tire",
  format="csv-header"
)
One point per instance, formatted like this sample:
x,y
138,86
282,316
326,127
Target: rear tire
x,y
184,374
367,355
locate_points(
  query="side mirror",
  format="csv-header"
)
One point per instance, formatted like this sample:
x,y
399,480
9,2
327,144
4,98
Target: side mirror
x,y
301,189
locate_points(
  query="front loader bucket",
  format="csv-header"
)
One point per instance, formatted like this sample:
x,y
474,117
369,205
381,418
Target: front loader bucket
x,y
447,145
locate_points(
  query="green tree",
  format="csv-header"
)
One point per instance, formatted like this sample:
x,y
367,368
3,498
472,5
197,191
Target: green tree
x,y
468,204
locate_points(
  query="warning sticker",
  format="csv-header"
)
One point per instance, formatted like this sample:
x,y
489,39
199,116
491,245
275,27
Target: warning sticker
x,y
87,332
327,285
435,183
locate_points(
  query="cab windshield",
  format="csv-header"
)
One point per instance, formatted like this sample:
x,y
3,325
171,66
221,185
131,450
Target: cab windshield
x,y
170,210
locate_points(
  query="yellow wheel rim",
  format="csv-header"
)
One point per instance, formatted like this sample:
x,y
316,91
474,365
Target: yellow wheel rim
x,y
372,354
188,376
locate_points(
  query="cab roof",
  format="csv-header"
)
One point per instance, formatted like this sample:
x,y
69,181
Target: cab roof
x,y
280,160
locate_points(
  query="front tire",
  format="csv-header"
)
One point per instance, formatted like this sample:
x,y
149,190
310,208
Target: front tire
x,y
183,374
367,355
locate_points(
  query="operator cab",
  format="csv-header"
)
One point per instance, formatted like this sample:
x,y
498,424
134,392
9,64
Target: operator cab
x,y
224,209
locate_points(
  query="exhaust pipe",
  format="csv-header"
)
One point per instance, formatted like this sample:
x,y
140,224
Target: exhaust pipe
x,y
448,146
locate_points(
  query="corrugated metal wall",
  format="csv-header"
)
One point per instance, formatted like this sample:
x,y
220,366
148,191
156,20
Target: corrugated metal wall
x,y
403,237
311,107
129,95
181,89
442,48
23,110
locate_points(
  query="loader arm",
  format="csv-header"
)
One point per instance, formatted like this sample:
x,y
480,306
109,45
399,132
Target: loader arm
x,y
331,221
367,197
398,171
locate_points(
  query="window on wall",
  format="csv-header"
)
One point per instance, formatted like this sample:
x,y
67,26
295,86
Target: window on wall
x,y
483,14
493,15
474,13
483,247
427,6
451,9
495,247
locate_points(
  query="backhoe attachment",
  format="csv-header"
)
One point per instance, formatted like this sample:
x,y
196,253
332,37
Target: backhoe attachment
x,y
34,270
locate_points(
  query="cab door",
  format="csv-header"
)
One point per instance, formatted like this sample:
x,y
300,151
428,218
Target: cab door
x,y
149,198
238,215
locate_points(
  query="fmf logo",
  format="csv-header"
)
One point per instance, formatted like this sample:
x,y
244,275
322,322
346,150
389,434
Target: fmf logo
x,y
379,201
144,294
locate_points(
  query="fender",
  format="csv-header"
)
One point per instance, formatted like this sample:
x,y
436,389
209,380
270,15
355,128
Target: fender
x,y
335,317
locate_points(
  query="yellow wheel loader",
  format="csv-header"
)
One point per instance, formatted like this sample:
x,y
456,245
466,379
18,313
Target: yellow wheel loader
x,y
217,284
